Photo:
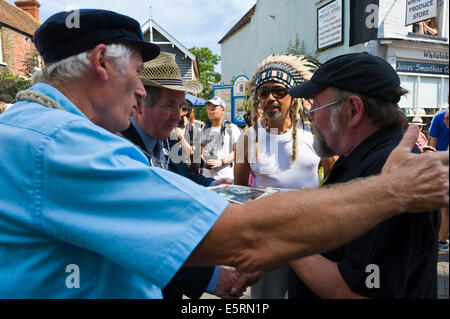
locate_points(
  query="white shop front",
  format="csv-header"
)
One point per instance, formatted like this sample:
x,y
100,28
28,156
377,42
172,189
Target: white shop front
x,y
424,71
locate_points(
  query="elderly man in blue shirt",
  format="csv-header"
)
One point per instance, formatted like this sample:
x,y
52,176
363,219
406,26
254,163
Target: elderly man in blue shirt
x,y
83,215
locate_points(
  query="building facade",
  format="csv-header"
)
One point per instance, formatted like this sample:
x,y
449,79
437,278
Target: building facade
x,y
329,28
185,59
17,26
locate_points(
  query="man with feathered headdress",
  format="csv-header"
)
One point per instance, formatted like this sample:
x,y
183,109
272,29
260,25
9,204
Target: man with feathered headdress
x,y
278,149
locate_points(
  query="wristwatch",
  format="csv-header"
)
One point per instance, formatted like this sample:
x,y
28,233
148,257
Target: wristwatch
x,y
223,163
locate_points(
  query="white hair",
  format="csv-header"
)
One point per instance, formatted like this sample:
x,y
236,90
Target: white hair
x,y
76,66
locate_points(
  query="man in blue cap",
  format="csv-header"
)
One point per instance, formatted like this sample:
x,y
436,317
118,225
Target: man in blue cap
x,y
356,116
84,216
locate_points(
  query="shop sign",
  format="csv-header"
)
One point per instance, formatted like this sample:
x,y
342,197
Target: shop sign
x,y
330,25
420,10
422,67
433,55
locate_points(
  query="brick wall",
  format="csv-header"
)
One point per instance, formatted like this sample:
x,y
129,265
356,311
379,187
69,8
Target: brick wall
x,y
15,47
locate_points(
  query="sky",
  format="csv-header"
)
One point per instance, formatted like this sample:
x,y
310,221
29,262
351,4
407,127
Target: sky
x,y
200,23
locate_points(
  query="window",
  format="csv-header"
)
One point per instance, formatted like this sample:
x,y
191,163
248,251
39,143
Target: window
x,y
426,27
1,52
434,27
408,101
427,94
430,92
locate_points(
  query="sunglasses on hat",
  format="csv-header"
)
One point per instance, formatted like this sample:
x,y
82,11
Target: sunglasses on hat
x,y
278,92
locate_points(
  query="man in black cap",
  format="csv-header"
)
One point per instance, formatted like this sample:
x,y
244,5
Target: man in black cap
x,y
83,216
356,116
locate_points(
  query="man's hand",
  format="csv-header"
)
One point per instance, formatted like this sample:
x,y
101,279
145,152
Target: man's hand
x,y
226,181
420,181
245,280
233,283
227,278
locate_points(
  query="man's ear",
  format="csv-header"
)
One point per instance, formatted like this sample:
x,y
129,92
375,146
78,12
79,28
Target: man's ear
x,y
355,110
100,66
139,107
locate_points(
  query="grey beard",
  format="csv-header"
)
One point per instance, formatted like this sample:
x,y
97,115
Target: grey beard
x,y
272,117
320,145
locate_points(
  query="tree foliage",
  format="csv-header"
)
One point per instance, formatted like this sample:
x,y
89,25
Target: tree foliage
x,y
206,61
30,63
201,114
9,86
298,48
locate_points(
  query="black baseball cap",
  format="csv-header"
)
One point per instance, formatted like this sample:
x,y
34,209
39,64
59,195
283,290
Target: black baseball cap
x,y
356,72
57,38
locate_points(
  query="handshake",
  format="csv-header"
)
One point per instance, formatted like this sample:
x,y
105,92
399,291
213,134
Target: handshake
x,y
232,283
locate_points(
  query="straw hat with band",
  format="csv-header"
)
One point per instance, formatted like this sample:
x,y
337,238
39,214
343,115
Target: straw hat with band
x,y
417,120
163,72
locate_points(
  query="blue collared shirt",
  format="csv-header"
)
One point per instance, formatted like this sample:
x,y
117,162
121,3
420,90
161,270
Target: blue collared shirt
x,y
152,143
81,213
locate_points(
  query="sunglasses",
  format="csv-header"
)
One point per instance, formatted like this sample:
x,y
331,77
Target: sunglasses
x,y
278,92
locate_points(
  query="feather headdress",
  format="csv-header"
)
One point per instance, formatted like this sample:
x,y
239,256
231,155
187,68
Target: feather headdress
x,y
289,70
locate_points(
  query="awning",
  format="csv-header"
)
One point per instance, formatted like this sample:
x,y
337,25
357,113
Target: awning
x,y
196,101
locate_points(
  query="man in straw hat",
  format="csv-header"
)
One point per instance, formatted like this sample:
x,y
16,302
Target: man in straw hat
x,y
422,141
151,125
356,116
156,117
84,216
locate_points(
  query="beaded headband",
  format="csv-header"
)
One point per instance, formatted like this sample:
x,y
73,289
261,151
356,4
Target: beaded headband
x,y
278,72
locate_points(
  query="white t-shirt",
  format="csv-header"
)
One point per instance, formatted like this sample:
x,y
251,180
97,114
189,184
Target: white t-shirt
x,y
274,167
218,146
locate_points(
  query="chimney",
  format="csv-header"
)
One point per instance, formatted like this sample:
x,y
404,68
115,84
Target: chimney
x,y
30,6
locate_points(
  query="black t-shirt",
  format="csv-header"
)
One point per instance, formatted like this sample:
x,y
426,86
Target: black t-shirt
x,y
403,247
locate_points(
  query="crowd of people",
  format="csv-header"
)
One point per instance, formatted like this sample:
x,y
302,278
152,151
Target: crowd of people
x,y
110,174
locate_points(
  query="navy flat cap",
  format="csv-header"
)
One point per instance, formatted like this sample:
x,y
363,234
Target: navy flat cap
x,y
60,36
356,72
